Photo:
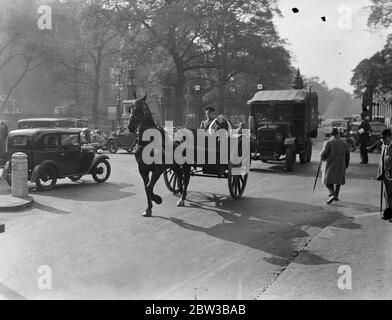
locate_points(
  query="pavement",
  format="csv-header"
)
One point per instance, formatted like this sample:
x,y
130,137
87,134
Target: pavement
x,y
359,251
8,202
280,241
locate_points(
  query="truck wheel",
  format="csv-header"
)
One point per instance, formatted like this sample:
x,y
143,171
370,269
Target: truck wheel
x,y
290,159
309,153
303,155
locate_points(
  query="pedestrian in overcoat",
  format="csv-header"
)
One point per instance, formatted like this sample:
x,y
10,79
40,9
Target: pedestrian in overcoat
x,y
336,158
384,172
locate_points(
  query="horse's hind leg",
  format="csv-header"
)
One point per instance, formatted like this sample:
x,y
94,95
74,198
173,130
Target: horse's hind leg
x,y
186,169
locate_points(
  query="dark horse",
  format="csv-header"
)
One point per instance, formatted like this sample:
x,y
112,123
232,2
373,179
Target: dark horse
x,y
141,120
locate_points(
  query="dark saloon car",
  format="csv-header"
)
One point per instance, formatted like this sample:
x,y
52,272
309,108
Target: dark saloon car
x,y
55,154
122,139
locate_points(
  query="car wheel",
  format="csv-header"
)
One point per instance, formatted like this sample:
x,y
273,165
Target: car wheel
x,y
112,146
101,171
47,178
75,178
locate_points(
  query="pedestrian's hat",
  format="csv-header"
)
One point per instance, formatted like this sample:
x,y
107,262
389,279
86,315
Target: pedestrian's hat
x,y
210,109
386,133
335,131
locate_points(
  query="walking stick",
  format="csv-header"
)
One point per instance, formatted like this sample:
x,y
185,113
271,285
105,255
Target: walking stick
x,y
318,172
381,196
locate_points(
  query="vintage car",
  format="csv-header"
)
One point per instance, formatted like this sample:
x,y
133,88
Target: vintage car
x,y
121,139
3,138
375,136
282,123
52,123
341,124
348,131
55,154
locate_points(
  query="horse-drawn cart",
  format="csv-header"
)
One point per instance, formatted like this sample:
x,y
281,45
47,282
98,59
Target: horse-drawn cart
x,y
236,182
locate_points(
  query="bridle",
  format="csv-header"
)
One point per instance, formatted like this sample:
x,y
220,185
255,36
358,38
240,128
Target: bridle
x,y
140,119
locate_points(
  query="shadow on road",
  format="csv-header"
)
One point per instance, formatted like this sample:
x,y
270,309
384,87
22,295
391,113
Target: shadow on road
x,y
355,171
303,170
269,225
9,294
88,191
50,209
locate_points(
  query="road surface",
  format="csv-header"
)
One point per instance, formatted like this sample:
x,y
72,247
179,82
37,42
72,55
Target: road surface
x,y
96,245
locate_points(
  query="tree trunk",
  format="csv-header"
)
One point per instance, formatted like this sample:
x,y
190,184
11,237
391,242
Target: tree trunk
x,y
179,94
179,103
221,97
97,90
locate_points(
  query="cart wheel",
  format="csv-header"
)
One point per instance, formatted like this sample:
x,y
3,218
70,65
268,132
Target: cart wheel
x,y
112,146
101,171
47,178
75,178
237,183
172,180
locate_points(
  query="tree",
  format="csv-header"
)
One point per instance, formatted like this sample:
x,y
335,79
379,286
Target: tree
x,y
343,104
298,81
239,37
375,71
208,41
380,13
92,37
324,95
21,45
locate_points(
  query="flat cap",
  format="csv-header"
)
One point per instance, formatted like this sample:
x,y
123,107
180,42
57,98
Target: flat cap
x,y
211,109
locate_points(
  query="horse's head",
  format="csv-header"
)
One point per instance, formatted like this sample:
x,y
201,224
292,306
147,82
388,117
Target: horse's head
x,y
139,114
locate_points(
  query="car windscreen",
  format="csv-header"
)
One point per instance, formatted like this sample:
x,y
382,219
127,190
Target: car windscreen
x,y
70,140
339,124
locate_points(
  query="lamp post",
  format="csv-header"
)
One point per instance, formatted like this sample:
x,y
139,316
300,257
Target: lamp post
x,y
131,94
119,89
199,109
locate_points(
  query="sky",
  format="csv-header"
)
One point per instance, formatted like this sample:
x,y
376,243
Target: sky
x,y
324,49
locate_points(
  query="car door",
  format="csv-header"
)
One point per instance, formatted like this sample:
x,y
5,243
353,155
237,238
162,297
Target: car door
x,y
47,148
70,154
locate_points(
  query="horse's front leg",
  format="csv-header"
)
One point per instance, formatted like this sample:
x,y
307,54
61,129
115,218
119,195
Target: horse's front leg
x,y
186,170
145,176
156,174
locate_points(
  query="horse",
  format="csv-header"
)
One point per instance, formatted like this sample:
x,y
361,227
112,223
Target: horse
x,y
141,120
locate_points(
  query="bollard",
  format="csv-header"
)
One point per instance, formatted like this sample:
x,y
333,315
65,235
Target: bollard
x,y
2,227
19,175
